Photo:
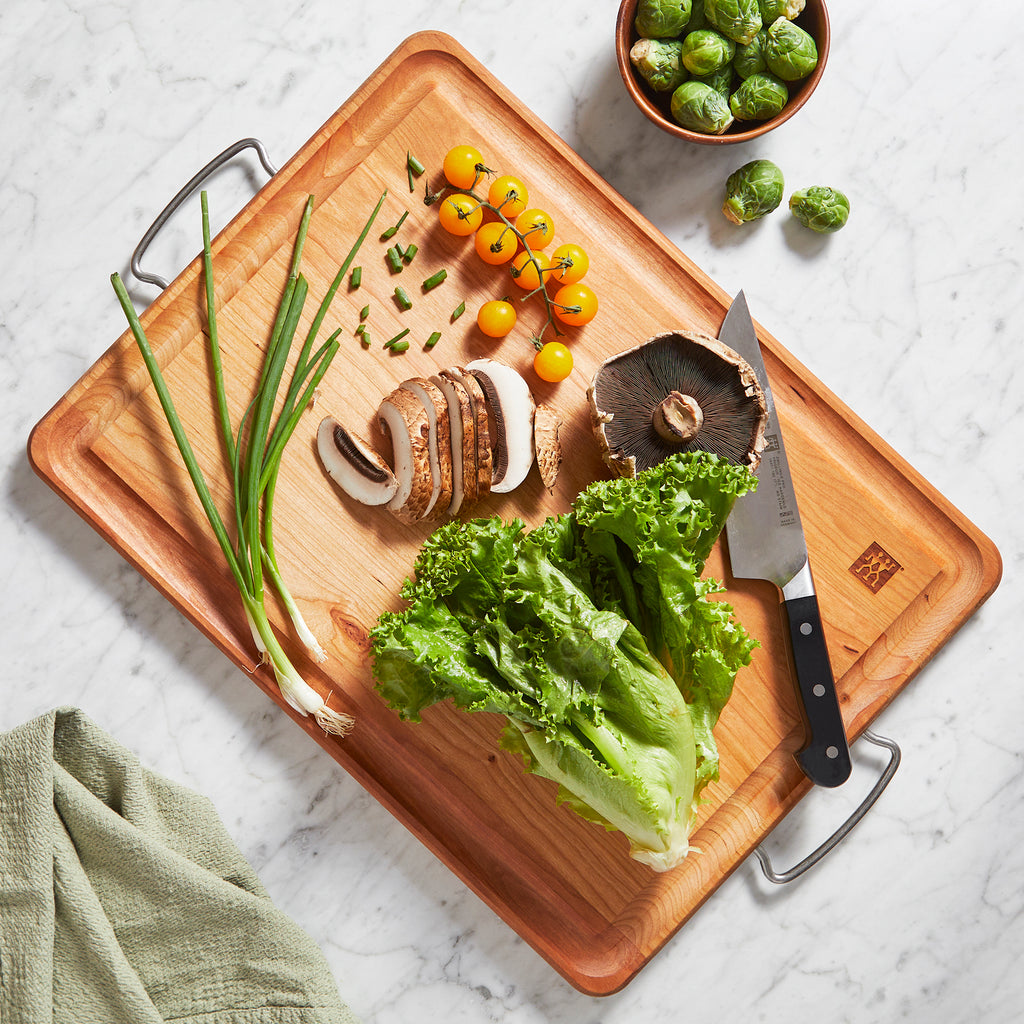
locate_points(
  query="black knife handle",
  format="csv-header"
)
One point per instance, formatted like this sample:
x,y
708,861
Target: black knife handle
x,y
825,759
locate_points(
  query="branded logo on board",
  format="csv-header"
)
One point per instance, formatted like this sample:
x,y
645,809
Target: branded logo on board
x,y
875,568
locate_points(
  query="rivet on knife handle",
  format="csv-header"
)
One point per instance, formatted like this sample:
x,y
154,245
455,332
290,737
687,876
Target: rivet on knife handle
x,y
826,757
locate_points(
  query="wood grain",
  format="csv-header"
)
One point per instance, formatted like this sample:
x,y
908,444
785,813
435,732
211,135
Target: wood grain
x,y
566,887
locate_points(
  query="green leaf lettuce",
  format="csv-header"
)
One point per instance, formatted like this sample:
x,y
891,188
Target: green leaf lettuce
x,y
595,638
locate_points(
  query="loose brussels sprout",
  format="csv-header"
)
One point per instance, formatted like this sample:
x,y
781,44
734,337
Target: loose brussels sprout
x,y
661,19
758,98
720,80
706,50
820,208
752,191
774,9
701,108
749,59
740,20
658,62
789,51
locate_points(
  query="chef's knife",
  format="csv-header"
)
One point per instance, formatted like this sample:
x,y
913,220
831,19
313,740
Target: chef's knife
x,y
766,542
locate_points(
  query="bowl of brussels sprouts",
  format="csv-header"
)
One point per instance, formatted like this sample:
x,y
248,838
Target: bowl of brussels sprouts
x,y
721,71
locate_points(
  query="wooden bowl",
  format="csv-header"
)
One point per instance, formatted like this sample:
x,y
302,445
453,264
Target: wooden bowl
x,y
655,106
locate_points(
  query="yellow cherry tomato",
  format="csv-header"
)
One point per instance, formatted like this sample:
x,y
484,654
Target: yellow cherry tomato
x,y
527,272
463,166
569,263
508,194
575,304
460,214
553,362
496,318
495,243
537,227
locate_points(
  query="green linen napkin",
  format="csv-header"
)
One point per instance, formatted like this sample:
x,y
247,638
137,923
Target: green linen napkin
x,y
124,901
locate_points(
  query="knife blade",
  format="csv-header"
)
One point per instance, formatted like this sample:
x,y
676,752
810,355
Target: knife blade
x,y
765,540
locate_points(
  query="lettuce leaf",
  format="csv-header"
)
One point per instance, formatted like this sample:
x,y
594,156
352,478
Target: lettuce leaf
x,y
594,636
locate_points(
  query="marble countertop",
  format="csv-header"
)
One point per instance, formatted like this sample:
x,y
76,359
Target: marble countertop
x,y
913,315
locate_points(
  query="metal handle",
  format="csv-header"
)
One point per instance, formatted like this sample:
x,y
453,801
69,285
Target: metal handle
x,y
183,193
781,877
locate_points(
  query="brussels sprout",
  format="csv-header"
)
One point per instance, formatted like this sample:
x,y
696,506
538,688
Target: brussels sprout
x,y
749,59
720,80
658,62
740,20
758,98
771,10
789,51
706,50
820,208
753,191
661,19
701,108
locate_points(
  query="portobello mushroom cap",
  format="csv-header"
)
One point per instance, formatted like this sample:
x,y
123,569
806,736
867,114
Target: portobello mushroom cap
x,y
353,465
678,391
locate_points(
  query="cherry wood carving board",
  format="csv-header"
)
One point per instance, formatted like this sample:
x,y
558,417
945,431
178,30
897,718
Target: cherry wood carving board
x,y
897,572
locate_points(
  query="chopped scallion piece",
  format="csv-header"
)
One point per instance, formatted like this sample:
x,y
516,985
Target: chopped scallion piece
x,y
458,311
414,168
400,346
393,230
364,312
410,251
394,260
435,279
432,340
391,342
355,278
402,298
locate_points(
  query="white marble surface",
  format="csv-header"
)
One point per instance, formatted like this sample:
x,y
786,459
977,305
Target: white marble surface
x,y
913,315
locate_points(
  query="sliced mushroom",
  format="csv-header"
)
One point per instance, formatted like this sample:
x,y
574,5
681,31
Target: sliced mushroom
x,y
512,406
679,391
546,424
353,465
439,443
482,430
462,429
404,418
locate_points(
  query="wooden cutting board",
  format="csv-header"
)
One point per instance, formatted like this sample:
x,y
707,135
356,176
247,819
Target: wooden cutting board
x,y
898,569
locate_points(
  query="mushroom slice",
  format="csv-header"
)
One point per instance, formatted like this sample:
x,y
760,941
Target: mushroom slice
x,y
482,430
546,424
353,465
462,430
404,418
439,443
679,391
512,406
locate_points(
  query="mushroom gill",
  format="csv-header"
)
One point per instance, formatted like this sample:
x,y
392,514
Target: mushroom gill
x,y
679,391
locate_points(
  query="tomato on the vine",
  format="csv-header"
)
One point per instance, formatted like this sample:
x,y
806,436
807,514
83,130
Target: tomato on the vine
x,y
537,227
527,271
463,166
509,195
553,362
460,214
569,263
575,304
495,243
496,318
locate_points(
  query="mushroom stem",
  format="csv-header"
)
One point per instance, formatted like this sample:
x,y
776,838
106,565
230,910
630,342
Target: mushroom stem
x,y
678,418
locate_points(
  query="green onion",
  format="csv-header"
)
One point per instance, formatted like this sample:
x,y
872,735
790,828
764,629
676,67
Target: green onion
x,y
364,340
391,342
410,251
414,167
356,278
254,454
394,260
458,311
364,312
432,340
400,346
402,298
435,279
393,230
